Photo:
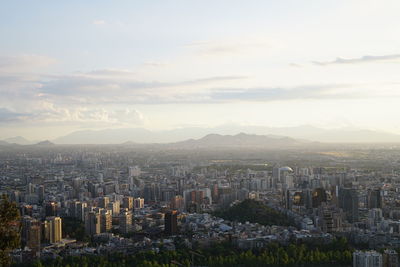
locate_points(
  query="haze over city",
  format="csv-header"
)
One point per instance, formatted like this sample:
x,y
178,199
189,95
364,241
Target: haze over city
x,y
199,133
162,65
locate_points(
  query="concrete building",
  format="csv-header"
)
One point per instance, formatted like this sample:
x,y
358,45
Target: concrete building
x,y
390,258
171,222
105,221
54,228
138,203
367,259
125,222
127,203
92,223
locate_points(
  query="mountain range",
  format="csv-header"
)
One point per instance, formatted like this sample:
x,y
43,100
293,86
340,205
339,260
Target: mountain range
x,y
289,134
240,140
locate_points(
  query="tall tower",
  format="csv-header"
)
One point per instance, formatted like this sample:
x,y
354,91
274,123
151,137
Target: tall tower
x,y
54,229
103,202
125,222
348,201
51,209
127,203
171,222
106,220
92,223
374,199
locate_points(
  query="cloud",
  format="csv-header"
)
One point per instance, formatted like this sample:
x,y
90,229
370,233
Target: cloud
x,y
295,65
113,86
99,22
155,64
49,113
281,94
228,47
23,63
364,59
8,116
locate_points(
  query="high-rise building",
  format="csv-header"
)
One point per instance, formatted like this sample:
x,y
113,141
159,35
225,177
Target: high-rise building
x,y
318,196
127,203
30,188
390,258
31,234
51,209
367,259
40,190
103,202
138,203
54,228
348,201
92,223
177,203
106,220
375,216
34,238
15,196
114,207
171,222
134,171
374,199
80,211
125,222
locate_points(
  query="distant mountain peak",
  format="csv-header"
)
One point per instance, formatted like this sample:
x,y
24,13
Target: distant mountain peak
x,y
45,143
288,134
241,140
17,140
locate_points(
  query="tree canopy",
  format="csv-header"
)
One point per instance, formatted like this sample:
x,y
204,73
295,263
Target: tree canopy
x,y
254,211
9,229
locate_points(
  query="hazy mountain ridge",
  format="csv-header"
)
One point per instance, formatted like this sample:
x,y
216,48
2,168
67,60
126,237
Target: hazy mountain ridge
x,y
144,136
140,135
241,140
19,140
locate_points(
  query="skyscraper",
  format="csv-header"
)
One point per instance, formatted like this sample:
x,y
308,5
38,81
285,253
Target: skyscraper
x,y
54,229
92,223
51,209
138,203
127,203
106,220
34,238
348,201
171,222
125,222
40,190
103,202
374,199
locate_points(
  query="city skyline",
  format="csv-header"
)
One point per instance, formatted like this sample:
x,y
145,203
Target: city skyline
x,y
170,64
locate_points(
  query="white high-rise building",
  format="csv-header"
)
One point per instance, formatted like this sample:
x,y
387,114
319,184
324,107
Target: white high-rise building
x,y
367,259
134,171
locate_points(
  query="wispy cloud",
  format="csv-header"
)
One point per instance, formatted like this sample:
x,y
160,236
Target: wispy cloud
x,y
8,116
364,59
155,64
99,22
228,47
24,62
265,94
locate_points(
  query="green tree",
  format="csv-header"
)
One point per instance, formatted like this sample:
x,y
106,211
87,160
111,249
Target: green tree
x,y
9,229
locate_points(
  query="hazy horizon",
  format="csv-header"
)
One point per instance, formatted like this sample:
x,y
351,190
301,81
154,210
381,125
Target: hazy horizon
x,y
304,133
164,65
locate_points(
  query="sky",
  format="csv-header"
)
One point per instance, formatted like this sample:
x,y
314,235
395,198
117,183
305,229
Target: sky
x,y
75,65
